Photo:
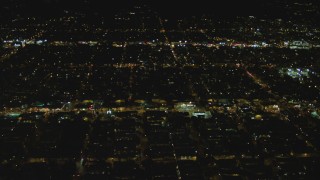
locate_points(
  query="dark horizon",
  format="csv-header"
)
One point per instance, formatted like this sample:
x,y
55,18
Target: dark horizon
x,y
166,8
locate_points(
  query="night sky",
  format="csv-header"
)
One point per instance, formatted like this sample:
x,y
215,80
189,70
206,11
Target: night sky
x,y
166,8
170,8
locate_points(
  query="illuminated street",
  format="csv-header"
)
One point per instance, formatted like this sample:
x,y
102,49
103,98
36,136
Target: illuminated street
x,y
152,90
